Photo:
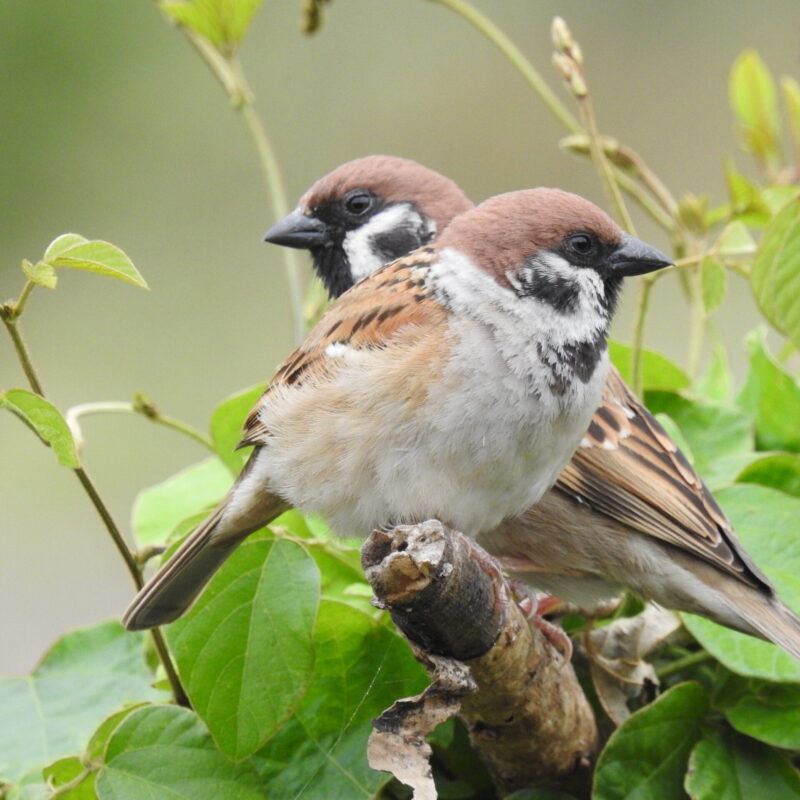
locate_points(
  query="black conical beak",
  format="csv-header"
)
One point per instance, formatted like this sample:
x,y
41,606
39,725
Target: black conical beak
x,y
298,230
635,257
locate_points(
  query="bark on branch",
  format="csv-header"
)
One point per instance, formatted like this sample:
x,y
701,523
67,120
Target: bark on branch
x,y
528,717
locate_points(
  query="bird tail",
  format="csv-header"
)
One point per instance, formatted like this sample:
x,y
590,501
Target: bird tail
x,y
171,591
778,624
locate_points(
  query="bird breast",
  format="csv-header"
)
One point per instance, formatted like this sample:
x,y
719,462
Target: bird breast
x,y
448,422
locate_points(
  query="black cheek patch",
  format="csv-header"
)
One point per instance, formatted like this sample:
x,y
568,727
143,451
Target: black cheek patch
x,y
396,243
559,292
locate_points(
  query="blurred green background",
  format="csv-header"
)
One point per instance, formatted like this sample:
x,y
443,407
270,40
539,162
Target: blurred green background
x,y
111,127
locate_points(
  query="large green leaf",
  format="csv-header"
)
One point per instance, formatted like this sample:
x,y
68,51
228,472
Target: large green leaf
x,y
773,397
778,470
85,676
712,431
646,757
361,668
244,651
227,422
716,382
158,509
45,420
768,711
165,753
658,372
724,766
775,276
768,525
76,252
754,99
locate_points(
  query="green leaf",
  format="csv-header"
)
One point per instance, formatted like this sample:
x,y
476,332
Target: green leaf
x,y
361,668
778,470
712,431
728,767
769,712
714,279
41,274
747,203
66,770
646,757
658,372
45,420
223,22
775,276
165,752
717,381
244,651
84,677
158,509
754,99
735,242
767,523
226,425
725,470
773,397
96,748
74,251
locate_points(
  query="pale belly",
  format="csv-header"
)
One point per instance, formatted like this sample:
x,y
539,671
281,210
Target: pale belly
x,y
468,449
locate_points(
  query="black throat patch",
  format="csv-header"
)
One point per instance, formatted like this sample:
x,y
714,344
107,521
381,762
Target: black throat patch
x,y
569,361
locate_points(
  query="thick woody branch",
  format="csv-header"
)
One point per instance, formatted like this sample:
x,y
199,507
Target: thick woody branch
x,y
528,718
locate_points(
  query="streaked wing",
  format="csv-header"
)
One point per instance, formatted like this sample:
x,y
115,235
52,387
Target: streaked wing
x,y
389,307
628,468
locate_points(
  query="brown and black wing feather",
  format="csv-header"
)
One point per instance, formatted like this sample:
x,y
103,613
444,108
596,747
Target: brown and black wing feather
x,y
387,307
629,469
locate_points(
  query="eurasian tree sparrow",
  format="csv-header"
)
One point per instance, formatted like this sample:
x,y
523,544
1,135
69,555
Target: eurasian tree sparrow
x,y
628,511
444,385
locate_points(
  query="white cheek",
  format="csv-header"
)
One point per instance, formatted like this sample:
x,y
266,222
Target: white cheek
x,y
359,244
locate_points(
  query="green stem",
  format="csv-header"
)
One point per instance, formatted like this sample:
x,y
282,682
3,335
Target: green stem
x,y
105,515
121,407
228,73
700,657
23,297
499,39
698,321
22,354
607,176
280,207
637,355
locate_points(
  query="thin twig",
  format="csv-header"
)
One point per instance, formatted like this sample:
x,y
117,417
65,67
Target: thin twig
x,y
122,407
102,510
227,70
637,377
604,168
680,664
22,354
531,75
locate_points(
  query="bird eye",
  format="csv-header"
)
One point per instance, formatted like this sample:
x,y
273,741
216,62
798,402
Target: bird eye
x,y
581,244
358,202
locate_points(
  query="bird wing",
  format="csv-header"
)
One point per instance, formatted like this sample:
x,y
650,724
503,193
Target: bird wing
x,y
388,308
629,469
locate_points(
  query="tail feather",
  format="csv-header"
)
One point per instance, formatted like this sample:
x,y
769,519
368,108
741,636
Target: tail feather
x,y
173,589
774,622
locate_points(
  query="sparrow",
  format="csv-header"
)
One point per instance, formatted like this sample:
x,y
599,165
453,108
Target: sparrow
x,y
444,385
628,511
